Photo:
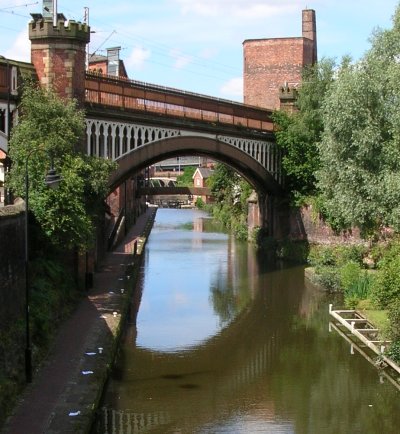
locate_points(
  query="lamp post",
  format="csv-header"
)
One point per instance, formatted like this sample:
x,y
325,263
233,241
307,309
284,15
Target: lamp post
x,y
52,180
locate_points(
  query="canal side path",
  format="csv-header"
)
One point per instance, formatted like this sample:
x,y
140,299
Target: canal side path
x,y
67,388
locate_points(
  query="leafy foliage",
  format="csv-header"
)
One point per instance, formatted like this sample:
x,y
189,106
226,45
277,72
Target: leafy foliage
x,y
360,147
299,132
52,128
231,192
394,351
186,179
355,283
340,268
394,318
386,285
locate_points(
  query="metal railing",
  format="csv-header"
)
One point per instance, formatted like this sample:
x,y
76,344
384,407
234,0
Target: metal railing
x,y
140,96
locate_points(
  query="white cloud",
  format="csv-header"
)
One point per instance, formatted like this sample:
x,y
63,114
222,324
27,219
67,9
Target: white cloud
x,y
233,88
21,48
137,58
239,8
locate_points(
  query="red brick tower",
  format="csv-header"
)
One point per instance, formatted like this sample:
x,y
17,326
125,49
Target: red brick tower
x,y
58,54
273,64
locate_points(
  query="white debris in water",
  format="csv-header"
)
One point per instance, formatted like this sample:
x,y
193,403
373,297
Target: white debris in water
x,y
74,413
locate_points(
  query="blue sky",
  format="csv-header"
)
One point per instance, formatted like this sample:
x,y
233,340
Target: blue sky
x,y
196,45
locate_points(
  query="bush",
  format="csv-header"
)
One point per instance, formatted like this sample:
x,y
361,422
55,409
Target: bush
x,y
321,255
328,277
354,254
293,251
349,275
394,352
386,284
336,255
394,318
355,283
199,203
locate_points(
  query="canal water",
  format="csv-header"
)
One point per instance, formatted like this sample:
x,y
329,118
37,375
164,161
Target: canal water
x,y
221,341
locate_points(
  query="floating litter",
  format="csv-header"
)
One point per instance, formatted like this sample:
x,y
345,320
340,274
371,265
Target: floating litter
x,y
90,354
120,278
74,413
122,290
87,372
111,292
100,350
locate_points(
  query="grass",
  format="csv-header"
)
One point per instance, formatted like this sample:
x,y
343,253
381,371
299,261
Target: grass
x,y
380,320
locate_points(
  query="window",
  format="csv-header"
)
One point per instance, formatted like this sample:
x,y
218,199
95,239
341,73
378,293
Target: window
x,y
14,80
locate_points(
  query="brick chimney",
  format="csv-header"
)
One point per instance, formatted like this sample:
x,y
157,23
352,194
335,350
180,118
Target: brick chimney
x,y
310,30
58,54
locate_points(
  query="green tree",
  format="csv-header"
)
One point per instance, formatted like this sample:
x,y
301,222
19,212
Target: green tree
x,y
51,127
186,179
231,192
360,148
299,132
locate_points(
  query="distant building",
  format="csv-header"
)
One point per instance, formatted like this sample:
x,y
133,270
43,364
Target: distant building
x,y
12,74
111,64
200,177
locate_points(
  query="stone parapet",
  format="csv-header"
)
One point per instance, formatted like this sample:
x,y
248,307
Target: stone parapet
x,y
44,29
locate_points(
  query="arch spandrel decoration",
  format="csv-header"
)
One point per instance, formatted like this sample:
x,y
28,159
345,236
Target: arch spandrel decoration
x,y
136,146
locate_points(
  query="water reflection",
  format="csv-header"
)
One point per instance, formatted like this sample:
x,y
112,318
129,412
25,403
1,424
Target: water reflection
x,y
225,343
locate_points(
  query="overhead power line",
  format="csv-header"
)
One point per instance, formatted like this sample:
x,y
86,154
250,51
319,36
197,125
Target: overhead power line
x,y
8,10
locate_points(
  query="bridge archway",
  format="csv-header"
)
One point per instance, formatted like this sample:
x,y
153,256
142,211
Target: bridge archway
x,y
195,145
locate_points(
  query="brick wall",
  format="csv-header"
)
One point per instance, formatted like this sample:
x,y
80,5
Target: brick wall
x,y
12,265
270,63
306,224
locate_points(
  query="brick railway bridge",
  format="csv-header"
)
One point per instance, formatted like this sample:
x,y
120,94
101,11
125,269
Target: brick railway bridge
x,y
138,124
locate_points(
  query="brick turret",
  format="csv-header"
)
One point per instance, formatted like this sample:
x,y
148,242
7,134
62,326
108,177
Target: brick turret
x,y
58,54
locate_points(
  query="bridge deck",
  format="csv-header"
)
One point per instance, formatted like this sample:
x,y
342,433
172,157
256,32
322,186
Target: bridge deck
x,y
143,97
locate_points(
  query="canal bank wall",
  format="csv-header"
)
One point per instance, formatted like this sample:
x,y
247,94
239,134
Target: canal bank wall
x,y
67,389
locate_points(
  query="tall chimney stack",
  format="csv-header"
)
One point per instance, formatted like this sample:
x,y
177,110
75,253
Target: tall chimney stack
x,y
310,30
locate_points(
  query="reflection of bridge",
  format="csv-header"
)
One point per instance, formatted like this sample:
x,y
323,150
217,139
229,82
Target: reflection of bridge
x,y
241,358
142,420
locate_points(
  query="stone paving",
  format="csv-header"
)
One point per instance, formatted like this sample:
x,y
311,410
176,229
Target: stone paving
x,y
67,388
